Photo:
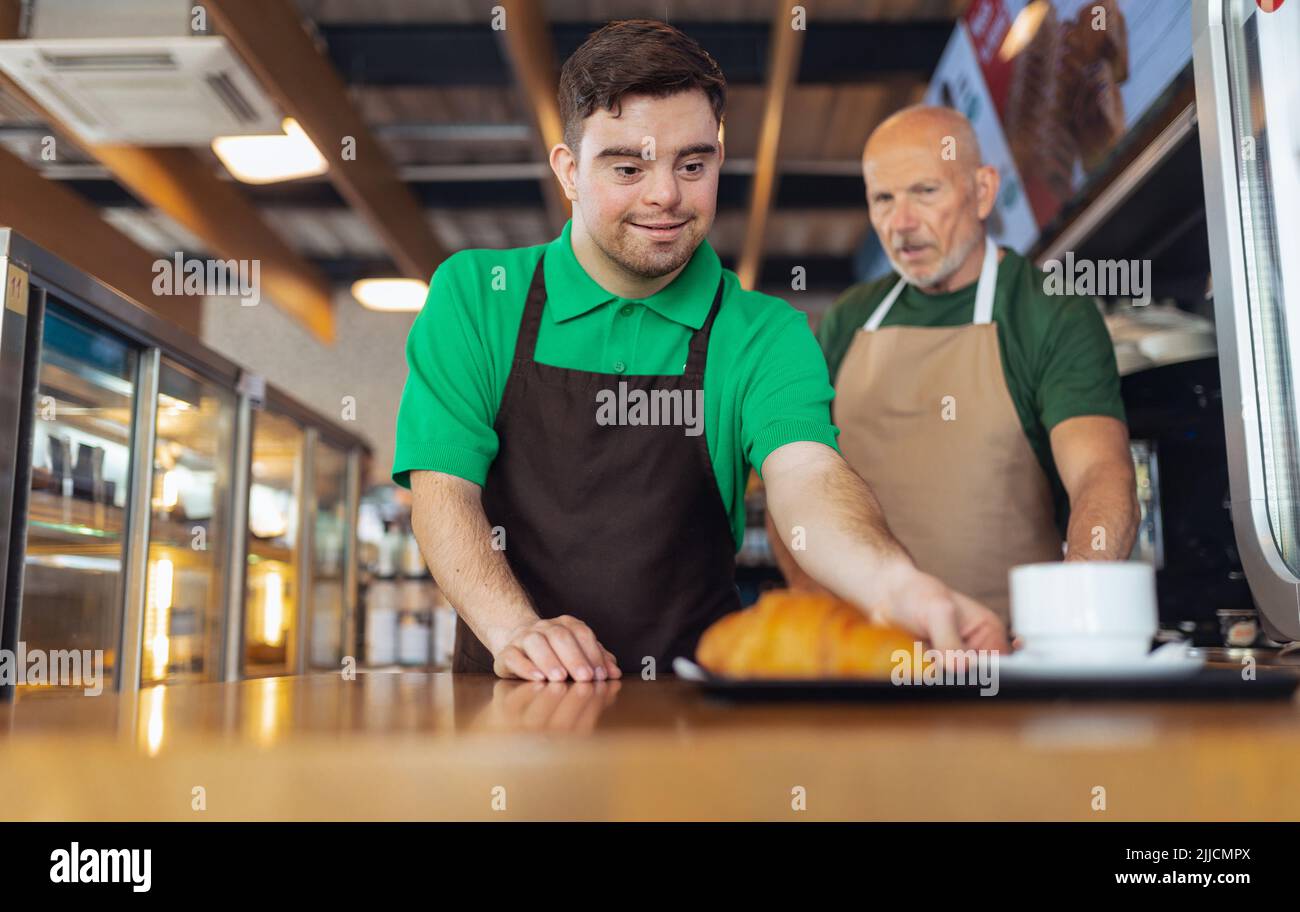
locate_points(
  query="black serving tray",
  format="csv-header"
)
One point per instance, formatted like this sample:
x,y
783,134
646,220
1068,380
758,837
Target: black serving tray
x,y
1216,684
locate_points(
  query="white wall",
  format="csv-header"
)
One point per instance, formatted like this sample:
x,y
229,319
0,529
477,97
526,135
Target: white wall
x,y
366,361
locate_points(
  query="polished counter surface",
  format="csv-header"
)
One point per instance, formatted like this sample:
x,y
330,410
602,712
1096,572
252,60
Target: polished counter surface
x,y
410,746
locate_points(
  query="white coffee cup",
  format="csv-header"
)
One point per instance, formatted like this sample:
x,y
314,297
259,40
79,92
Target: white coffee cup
x,y
1084,611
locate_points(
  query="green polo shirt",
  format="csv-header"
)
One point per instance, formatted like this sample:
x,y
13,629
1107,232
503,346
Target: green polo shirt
x,y
1057,357
765,382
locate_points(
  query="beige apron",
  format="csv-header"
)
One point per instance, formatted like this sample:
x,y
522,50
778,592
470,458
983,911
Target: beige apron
x,y
926,418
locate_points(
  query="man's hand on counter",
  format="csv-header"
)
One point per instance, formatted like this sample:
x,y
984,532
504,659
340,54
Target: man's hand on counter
x,y
454,534
553,649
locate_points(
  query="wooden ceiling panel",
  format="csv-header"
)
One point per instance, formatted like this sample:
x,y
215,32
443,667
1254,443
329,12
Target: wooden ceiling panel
x,y
668,10
888,10
153,230
467,12
744,114
405,152
342,234
394,11
823,122
493,228
327,234
751,10
810,119
379,105
796,232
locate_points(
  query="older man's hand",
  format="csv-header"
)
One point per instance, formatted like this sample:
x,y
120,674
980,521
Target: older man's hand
x,y
923,605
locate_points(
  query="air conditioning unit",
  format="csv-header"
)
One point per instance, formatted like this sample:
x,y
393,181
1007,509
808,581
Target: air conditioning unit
x,y
166,88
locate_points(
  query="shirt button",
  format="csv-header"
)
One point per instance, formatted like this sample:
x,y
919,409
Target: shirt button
x,y
619,367
625,310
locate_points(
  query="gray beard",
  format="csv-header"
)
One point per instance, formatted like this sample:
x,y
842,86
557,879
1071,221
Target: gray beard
x,y
947,266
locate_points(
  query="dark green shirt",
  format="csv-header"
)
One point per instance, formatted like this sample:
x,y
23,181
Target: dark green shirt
x,y
1057,357
765,382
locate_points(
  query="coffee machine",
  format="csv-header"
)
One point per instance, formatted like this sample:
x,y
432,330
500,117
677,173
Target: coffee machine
x,y
1175,417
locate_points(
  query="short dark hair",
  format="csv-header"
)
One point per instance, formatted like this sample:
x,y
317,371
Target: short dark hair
x,y
634,56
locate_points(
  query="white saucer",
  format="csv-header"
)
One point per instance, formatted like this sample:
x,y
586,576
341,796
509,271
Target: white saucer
x,y
688,670
1170,661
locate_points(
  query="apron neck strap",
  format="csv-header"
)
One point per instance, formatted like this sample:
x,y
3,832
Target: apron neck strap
x,y
526,343
988,283
878,315
983,291
700,338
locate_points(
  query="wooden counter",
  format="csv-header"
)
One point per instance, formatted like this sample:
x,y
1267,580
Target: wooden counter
x,y
435,747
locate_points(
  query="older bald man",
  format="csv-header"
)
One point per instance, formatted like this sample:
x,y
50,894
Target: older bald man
x,y
983,412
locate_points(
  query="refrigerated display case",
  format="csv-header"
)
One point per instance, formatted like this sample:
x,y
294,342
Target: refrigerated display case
x,y
1250,146
77,500
189,529
160,507
330,543
273,546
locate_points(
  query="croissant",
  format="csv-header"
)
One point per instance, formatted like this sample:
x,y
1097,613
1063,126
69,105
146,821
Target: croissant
x,y
792,634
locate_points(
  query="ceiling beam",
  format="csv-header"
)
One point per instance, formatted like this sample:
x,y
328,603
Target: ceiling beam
x,y
58,219
275,45
177,182
532,58
782,69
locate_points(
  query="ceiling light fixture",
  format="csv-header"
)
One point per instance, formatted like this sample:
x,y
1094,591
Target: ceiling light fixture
x,y
268,159
390,294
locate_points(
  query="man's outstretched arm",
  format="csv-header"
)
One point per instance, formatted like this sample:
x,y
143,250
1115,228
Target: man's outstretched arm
x,y
848,548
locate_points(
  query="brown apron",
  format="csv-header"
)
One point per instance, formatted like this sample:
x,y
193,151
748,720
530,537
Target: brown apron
x,y
926,418
622,525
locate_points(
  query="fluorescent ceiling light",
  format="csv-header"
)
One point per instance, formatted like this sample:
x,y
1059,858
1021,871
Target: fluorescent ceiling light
x,y
390,294
267,159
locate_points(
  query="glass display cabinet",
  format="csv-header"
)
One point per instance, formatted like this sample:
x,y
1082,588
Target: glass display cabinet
x,y
1250,148
273,542
189,529
332,549
77,500
160,508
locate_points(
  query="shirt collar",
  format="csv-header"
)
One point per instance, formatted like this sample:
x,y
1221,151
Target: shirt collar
x,y
686,299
